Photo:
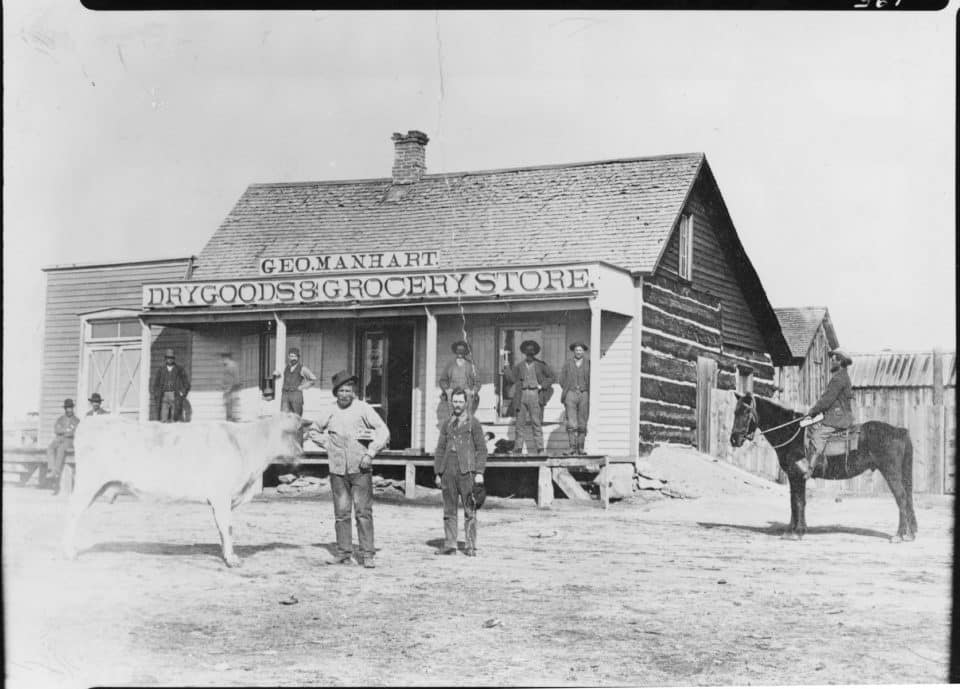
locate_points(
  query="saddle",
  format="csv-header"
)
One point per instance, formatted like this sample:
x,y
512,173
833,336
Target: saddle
x,y
842,442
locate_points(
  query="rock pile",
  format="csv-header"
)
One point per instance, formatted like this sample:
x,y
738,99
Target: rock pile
x,y
291,484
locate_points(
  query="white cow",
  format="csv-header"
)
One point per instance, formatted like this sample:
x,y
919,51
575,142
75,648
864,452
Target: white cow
x,y
214,462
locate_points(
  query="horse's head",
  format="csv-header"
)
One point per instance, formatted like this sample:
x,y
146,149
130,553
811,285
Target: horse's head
x,y
745,420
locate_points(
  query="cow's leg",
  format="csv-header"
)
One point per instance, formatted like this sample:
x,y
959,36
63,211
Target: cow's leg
x,y
85,492
221,515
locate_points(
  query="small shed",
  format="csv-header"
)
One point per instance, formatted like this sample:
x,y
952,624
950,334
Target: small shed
x,y
810,335
916,391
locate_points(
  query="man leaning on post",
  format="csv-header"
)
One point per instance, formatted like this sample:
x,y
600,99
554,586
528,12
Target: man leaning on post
x,y
339,432
459,460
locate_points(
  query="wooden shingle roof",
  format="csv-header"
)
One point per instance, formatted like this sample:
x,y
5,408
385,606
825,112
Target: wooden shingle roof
x,y
800,325
618,211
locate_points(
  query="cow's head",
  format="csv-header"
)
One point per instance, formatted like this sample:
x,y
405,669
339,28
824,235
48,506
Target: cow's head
x,y
290,441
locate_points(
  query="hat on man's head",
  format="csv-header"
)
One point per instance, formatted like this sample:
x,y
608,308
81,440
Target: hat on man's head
x,y
845,359
95,397
342,378
168,354
579,344
530,344
67,403
460,343
294,350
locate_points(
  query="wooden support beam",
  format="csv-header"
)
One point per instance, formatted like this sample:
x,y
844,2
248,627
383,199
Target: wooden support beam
x,y
146,342
544,487
431,432
568,484
410,480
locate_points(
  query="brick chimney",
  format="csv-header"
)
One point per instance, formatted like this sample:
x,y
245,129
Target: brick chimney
x,y
410,157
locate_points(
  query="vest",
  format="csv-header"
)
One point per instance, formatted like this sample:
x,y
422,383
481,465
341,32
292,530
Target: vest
x,y
292,378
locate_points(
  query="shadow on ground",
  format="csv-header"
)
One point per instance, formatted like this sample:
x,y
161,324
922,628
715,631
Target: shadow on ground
x,y
777,528
154,548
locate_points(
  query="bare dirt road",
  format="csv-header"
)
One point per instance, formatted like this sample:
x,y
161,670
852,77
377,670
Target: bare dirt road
x,y
653,591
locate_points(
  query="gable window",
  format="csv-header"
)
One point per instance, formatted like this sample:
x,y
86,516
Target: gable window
x,y
685,266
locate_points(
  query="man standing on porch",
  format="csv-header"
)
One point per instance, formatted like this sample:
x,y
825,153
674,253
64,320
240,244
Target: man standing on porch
x,y
296,379
461,373
575,384
348,423
458,461
169,388
532,382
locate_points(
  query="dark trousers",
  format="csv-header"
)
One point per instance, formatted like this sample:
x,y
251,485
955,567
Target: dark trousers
x,y
353,491
292,400
56,454
577,406
530,420
458,489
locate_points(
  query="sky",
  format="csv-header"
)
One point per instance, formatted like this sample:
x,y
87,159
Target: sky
x,y
832,135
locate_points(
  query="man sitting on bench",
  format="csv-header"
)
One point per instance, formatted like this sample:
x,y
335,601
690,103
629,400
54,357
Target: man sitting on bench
x,y
62,443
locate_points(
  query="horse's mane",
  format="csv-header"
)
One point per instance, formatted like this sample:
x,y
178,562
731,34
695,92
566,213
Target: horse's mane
x,y
777,409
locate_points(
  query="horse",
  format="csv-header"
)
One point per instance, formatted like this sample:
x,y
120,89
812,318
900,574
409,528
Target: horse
x,y
882,447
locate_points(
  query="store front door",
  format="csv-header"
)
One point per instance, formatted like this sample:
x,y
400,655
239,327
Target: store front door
x,y
385,368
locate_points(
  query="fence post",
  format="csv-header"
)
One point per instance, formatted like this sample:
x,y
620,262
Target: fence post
x,y
937,468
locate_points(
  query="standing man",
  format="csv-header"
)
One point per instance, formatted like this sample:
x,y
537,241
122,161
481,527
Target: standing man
x,y
62,443
169,388
459,460
296,379
95,405
461,373
532,381
351,464
575,383
230,385
836,404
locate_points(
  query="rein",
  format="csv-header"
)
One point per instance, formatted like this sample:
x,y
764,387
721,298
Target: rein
x,y
756,419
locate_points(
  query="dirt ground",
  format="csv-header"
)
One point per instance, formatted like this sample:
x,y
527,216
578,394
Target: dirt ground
x,y
653,591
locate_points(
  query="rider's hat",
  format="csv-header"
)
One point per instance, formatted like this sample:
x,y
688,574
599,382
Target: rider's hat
x,y
845,359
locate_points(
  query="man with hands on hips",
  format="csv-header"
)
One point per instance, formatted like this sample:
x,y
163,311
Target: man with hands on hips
x,y
458,462
340,432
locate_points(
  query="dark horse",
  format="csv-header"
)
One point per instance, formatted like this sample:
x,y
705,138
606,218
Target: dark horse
x,y
882,446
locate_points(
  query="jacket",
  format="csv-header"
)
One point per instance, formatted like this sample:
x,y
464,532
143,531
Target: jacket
x,y
836,401
180,381
514,375
467,440
568,376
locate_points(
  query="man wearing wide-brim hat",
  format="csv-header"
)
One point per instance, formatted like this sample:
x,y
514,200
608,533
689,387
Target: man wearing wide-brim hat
x,y
575,396
169,388
531,382
836,405
461,373
96,405
62,443
340,431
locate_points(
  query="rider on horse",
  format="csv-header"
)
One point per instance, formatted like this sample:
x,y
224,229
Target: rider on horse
x,y
836,406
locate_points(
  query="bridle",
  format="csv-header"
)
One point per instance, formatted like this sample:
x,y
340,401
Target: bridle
x,y
754,420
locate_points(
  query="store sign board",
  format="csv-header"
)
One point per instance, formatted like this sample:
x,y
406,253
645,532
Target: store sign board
x,y
371,287
326,263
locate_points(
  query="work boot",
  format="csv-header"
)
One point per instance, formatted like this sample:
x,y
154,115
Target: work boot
x,y
581,441
572,442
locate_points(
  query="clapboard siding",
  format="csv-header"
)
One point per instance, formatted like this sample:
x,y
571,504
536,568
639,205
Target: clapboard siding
x,y
70,292
610,387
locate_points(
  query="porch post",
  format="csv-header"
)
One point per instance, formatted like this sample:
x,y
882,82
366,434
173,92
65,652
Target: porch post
x,y
431,399
146,342
636,345
280,360
590,446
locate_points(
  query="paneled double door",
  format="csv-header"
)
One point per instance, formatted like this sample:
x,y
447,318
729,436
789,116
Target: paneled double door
x,y
114,372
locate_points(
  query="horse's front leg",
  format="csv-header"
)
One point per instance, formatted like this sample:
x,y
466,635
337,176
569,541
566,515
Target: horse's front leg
x,y
797,503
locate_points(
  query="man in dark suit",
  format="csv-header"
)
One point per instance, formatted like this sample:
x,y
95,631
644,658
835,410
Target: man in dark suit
x,y
458,462
169,388
836,404
532,381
